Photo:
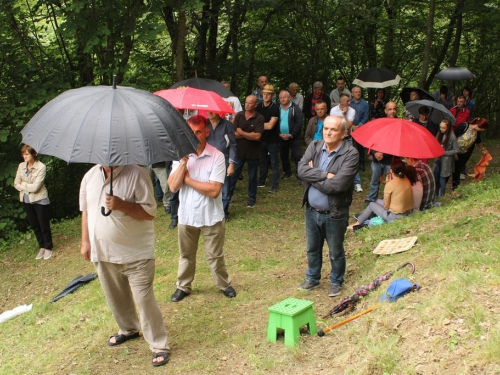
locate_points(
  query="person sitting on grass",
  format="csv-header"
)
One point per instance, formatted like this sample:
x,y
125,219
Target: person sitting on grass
x,y
398,198
416,187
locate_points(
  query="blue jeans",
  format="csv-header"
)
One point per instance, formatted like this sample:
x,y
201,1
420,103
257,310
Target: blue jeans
x,y
318,228
440,181
225,195
272,150
253,166
377,169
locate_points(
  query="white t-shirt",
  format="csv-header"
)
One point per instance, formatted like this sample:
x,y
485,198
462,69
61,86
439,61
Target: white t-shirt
x,y
336,111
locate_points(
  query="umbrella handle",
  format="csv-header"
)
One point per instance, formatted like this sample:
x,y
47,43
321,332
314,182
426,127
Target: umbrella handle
x,y
322,332
103,209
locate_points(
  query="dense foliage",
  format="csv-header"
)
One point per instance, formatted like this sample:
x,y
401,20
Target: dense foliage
x,y
48,46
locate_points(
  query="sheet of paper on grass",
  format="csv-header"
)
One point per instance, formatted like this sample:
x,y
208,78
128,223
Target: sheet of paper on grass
x,y
15,312
386,247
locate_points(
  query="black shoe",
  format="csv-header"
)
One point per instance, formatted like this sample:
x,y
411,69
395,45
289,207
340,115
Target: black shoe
x,y
178,296
168,210
240,177
273,190
359,227
226,218
250,204
229,292
173,224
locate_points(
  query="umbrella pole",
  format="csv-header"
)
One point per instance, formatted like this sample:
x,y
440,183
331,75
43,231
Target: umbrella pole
x,y
103,209
322,332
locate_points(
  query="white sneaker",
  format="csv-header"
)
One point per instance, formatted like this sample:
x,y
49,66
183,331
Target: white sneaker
x,y
358,188
462,176
48,254
40,254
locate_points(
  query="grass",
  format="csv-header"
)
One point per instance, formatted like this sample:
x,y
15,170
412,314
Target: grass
x,y
449,326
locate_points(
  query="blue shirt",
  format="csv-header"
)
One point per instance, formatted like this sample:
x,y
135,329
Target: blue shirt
x,y
362,111
319,131
316,198
284,128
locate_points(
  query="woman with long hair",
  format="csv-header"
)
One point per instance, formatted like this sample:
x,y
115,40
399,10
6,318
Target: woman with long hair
x,y
398,198
443,167
416,187
377,106
29,181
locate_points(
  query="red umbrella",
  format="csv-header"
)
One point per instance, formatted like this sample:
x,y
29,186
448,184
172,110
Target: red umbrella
x,y
398,137
194,99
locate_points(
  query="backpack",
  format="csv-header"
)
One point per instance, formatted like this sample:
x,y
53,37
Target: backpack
x,y
466,140
397,289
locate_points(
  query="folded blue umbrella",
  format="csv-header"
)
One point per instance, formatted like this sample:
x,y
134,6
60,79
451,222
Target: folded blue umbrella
x,y
397,289
74,284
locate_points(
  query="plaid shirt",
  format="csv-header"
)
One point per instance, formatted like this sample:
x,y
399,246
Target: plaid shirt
x,y
426,177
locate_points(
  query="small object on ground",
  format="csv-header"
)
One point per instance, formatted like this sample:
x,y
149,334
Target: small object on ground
x,y
394,246
47,254
120,339
307,286
322,332
229,292
397,289
40,254
178,295
437,204
163,355
74,284
358,188
9,314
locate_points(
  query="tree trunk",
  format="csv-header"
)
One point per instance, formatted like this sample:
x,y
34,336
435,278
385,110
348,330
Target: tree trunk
x,y
428,43
179,52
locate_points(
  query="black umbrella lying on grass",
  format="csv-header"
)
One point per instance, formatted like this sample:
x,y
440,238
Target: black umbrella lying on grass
x,y
74,284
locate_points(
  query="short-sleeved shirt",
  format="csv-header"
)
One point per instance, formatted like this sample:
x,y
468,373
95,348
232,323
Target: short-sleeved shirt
x,y
196,209
118,238
245,148
336,111
273,135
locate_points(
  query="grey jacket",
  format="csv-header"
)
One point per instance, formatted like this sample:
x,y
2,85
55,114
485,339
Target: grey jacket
x,y
448,159
344,166
33,185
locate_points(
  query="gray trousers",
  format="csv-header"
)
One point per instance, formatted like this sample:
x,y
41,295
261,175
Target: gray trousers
x,y
126,285
378,209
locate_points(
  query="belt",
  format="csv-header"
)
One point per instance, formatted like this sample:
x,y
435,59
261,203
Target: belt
x,y
323,212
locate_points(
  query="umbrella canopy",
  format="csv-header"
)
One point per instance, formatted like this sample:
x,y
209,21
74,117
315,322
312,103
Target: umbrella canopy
x,y
75,284
110,126
205,84
377,78
455,74
438,112
398,137
195,99
422,94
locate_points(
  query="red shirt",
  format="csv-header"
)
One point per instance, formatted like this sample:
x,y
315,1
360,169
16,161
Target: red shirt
x,y
461,115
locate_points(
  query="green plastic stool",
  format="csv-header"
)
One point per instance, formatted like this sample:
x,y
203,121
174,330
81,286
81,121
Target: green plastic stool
x,y
290,315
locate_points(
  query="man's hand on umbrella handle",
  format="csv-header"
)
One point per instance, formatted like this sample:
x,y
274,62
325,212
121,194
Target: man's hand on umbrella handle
x,y
378,155
113,202
85,250
230,169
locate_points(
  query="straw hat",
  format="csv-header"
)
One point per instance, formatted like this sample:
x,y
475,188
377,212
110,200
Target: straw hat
x,y
268,88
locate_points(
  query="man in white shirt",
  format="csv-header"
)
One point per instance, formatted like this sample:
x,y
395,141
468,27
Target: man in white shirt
x,y
121,246
199,178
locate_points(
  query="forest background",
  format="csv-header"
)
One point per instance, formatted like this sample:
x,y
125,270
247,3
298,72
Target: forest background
x,y
49,46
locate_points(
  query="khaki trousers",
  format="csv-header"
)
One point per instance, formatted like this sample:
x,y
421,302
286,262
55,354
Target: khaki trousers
x,y
128,284
213,238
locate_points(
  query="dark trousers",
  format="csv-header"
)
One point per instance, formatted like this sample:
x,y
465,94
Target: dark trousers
x,y
285,147
39,219
361,152
459,165
269,151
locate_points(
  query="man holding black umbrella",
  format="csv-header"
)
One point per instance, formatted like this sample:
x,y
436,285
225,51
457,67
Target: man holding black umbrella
x,y
121,246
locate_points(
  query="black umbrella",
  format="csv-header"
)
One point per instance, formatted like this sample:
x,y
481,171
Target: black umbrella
x,y
422,94
455,74
111,126
205,84
74,284
377,78
438,112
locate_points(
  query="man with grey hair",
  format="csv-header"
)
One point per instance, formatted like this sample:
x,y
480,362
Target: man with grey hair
x,y
327,168
311,99
295,96
261,82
